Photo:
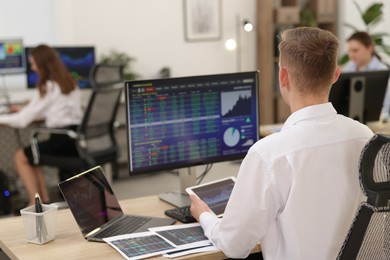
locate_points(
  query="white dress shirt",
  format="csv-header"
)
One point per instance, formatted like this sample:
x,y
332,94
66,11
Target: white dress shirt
x,y
56,108
297,191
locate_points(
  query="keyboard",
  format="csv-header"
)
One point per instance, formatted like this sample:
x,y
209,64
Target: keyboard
x,y
124,225
182,214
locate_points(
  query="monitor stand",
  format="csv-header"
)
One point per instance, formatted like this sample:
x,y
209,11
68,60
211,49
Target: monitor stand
x,y
180,198
356,99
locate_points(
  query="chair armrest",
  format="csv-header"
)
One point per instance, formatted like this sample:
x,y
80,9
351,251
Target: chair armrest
x,y
40,130
37,131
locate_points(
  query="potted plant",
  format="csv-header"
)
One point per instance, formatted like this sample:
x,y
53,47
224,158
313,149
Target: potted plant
x,y
117,57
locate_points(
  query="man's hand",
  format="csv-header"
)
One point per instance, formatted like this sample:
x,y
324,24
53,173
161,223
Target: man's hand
x,y
198,206
14,108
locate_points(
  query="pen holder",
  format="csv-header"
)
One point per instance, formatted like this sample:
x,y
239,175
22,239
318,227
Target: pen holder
x,y
40,228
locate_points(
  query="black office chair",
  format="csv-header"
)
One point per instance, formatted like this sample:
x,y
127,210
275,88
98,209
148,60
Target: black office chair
x,y
369,235
94,138
105,75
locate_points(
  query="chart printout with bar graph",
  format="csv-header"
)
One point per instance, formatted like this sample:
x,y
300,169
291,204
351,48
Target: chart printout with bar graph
x,y
141,245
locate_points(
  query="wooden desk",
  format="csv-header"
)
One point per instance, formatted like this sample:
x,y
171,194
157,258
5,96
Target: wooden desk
x,y
379,127
269,129
69,242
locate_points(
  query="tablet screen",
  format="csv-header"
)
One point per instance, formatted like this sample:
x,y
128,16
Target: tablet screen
x,y
215,194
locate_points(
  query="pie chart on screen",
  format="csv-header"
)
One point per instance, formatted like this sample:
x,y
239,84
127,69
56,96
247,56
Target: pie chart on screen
x,y
231,137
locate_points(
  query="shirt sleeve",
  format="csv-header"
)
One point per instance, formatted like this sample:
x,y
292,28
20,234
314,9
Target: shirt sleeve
x,y
33,111
251,207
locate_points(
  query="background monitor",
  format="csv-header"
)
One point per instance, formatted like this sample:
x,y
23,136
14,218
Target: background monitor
x,y
78,60
360,95
12,58
183,122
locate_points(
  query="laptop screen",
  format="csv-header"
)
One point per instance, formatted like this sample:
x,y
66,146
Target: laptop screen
x,y
91,199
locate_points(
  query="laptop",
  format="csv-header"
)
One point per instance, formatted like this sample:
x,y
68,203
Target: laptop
x,y
97,210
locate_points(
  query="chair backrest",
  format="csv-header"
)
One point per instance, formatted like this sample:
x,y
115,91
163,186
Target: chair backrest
x,y
369,235
96,130
105,75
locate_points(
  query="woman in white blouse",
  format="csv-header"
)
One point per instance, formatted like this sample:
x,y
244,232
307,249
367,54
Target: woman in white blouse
x,y
57,102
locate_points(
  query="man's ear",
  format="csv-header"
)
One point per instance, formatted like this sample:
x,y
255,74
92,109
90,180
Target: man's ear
x,y
283,77
336,74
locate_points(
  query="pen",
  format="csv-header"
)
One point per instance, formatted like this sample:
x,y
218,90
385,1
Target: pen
x,y
38,205
40,222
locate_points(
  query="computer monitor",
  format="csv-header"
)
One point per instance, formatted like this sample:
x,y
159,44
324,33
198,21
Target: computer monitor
x,y
78,60
183,122
12,58
360,95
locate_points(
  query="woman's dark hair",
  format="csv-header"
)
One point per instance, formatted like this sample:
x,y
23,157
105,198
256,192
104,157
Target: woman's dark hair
x,y
365,39
50,67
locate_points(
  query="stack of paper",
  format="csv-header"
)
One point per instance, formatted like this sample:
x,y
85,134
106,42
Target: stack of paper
x,y
169,241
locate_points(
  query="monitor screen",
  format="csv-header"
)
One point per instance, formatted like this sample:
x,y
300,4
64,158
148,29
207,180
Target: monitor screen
x,y
182,122
360,95
12,59
78,61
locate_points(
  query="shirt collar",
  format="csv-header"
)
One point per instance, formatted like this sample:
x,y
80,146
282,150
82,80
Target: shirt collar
x,y
310,113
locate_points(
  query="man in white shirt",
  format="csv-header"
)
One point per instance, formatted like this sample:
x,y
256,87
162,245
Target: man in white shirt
x,y
297,190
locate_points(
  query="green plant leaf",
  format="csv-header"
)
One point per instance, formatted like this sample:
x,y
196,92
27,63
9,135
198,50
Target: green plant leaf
x,y
343,60
374,22
372,13
378,41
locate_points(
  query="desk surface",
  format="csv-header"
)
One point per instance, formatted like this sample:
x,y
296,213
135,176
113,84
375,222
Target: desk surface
x,y
69,242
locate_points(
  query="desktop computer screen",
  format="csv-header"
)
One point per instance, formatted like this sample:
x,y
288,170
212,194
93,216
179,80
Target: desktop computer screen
x,y
12,59
183,122
78,61
360,95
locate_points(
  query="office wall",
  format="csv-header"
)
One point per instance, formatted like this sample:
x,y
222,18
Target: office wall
x,y
30,20
152,31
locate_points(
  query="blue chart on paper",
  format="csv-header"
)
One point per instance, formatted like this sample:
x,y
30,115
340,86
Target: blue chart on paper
x,y
136,246
184,236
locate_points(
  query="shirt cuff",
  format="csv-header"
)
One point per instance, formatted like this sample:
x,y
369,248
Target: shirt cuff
x,y
208,220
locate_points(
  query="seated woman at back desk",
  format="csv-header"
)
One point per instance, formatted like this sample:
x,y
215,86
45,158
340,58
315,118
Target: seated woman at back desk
x,y
363,57
57,102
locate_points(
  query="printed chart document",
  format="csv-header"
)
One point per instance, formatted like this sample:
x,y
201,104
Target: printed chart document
x,y
139,245
184,236
177,239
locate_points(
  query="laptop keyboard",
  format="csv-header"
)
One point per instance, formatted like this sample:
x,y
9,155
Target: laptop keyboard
x,y
124,225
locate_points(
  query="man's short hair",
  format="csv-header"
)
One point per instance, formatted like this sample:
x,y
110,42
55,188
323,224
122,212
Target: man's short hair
x,y
310,55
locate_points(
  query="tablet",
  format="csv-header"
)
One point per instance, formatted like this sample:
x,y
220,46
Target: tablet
x,y
215,194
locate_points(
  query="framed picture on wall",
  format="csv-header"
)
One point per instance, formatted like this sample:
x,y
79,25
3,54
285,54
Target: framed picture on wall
x,y
202,20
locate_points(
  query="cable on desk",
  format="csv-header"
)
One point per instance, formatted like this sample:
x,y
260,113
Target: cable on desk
x,y
206,170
